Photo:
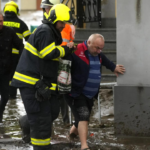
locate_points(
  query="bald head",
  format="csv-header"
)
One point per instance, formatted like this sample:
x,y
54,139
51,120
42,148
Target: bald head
x,y
95,44
93,37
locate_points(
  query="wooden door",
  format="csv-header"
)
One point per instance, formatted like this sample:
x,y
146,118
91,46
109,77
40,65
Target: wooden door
x,y
38,3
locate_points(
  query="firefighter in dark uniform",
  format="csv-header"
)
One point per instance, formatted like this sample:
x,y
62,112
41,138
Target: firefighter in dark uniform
x,y
8,38
11,19
46,5
36,75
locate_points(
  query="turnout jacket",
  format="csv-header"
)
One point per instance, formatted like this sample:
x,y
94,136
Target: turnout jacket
x,y
12,20
21,29
40,58
8,38
80,67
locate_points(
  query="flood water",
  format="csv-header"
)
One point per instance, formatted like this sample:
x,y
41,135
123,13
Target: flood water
x,y
100,136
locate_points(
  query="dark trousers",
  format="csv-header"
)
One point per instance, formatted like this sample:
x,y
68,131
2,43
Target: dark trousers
x,y
4,89
13,90
63,108
40,117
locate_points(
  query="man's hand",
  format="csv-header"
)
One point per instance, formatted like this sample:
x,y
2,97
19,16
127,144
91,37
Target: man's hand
x,y
70,44
119,69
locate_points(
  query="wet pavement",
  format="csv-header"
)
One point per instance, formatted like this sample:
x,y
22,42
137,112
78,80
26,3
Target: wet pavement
x,y
100,136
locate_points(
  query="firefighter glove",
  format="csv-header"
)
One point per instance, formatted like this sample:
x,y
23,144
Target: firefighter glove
x,y
42,91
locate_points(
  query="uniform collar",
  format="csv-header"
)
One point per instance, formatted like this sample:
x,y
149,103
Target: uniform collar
x,y
10,14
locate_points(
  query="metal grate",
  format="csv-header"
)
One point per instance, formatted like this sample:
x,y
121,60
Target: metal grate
x,y
87,11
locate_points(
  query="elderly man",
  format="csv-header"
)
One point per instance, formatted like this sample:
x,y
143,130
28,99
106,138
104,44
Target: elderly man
x,y
86,76
8,39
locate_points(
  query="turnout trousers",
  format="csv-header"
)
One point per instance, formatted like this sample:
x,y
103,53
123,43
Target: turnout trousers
x,y
12,89
4,92
40,117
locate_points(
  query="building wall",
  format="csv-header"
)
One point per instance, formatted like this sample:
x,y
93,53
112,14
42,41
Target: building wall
x,y
28,4
133,44
108,8
131,95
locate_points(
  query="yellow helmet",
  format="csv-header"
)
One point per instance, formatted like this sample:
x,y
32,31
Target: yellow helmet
x,y
55,2
59,12
11,7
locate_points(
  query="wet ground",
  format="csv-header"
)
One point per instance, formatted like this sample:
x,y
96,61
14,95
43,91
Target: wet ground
x,y
100,136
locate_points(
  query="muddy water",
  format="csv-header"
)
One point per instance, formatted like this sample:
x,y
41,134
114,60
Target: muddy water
x,y
100,136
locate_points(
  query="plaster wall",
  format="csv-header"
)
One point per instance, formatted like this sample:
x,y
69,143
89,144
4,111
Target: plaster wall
x,y
133,25
132,110
108,8
28,5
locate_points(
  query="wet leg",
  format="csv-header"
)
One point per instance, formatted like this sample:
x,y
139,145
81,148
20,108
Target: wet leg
x,y
83,131
74,130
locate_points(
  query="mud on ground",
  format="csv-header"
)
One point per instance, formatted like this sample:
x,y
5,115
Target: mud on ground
x,y
101,136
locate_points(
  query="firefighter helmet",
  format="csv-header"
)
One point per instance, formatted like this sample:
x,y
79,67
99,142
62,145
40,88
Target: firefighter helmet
x,y
11,7
59,12
55,2
46,4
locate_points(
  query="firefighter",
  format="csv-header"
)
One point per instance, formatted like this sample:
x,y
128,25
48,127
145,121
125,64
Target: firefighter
x,y
36,75
67,36
46,5
8,38
11,19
